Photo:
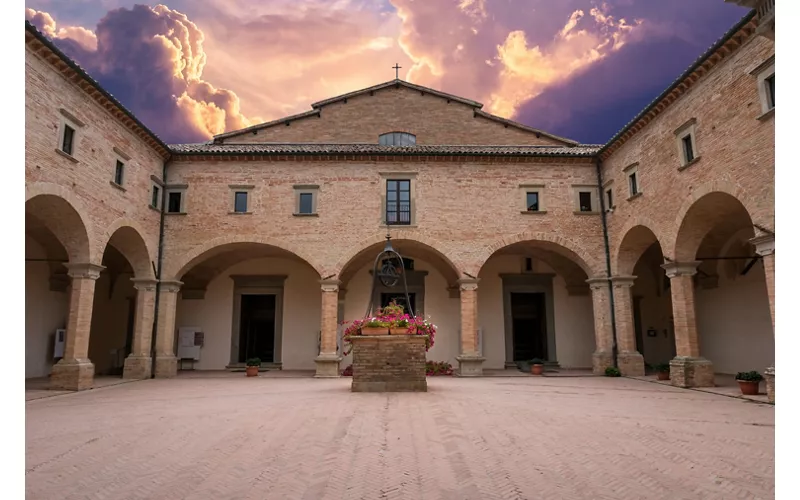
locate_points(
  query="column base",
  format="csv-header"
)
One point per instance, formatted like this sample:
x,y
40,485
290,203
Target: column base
x,y
470,366
631,363
166,366
328,366
72,375
769,375
691,372
137,367
600,361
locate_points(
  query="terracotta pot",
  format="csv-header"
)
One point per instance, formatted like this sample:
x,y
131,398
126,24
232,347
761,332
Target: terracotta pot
x,y
662,375
396,330
371,330
748,388
252,371
537,369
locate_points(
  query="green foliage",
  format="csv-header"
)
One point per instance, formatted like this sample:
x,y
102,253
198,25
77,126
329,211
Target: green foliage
x,y
613,372
536,361
374,323
662,368
433,368
752,376
253,362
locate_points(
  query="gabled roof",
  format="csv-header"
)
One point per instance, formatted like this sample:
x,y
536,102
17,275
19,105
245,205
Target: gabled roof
x,y
46,49
317,110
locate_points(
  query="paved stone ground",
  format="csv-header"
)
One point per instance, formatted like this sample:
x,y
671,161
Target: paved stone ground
x,y
489,438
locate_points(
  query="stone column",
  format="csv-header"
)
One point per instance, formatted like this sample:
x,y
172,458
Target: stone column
x,y
166,362
138,365
765,247
629,360
328,359
75,372
470,362
688,369
603,356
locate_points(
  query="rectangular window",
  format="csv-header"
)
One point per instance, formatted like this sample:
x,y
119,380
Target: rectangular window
x,y
154,201
770,88
118,172
610,198
634,185
585,200
174,203
532,200
66,143
398,202
240,201
306,203
687,148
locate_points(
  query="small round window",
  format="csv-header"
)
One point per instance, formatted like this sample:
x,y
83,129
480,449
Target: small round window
x,y
397,139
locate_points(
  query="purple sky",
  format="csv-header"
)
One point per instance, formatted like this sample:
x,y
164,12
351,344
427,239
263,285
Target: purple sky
x,y
576,68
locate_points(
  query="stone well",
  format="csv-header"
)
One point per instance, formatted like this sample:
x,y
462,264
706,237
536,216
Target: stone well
x,y
389,363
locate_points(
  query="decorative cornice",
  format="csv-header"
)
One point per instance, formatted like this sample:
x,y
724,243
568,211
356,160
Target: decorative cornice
x,y
765,244
598,283
468,283
171,286
674,269
330,285
84,271
144,284
623,281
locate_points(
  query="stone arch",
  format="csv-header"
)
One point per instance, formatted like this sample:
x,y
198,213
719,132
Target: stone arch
x,y
565,247
711,205
636,236
430,244
126,236
197,254
71,224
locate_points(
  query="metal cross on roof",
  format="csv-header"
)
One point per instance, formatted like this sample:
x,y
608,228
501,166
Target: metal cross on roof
x,y
396,71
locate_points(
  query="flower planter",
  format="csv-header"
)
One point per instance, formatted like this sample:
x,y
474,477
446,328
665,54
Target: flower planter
x,y
662,375
749,388
396,330
537,369
252,371
371,330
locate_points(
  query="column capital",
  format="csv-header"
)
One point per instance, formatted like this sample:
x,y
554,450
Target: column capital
x,y
674,269
84,271
144,284
468,283
765,244
171,286
623,281
598,283
330,285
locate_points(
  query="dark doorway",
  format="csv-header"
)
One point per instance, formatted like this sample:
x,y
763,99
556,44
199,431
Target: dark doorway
x,y
399,298
637,324
529,326
129,332
257,328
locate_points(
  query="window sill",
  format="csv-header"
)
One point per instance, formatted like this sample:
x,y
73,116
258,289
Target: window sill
x,y
684,167
156,209
306,215
174,213
578,212
533,212
240,213
67,156
767,115
399,226
118,186
634,196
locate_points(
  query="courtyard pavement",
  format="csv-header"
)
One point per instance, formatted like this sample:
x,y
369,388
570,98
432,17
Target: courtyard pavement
x,y
261,438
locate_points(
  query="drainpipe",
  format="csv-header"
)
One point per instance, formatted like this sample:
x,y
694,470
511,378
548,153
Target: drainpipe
x,y
608,262
158,271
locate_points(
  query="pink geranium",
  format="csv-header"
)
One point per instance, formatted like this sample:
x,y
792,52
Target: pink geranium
x,y
394,316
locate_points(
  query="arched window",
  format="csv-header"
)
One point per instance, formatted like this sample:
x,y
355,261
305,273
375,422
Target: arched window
x,y
397,139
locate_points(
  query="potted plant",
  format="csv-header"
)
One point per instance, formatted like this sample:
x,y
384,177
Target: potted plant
x,y
375,326
253,364
662,371
399,326
537,366
613,372
748,382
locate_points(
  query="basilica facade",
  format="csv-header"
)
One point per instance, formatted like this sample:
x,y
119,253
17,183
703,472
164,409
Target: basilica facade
x,y
656,247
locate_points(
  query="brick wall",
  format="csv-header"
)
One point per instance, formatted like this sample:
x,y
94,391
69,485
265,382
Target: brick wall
x,y
389,363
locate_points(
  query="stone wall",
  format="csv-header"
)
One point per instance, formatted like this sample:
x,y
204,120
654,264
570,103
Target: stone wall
x,y
389,363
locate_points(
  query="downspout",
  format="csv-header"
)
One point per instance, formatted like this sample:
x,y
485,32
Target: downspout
x,y
158,271
608,262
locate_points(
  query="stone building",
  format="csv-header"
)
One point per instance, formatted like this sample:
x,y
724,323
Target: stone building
x,y
656,246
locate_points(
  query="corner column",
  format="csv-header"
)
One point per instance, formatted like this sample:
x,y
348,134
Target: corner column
x,y
138,365
688,369
603,356
470,362
630,361
166,362
328,359
765,247
75,372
